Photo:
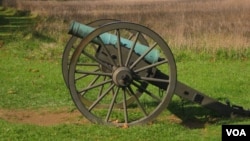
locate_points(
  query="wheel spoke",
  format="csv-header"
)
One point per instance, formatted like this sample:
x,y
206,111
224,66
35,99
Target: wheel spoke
x,y
91,83
84,75
98,61
96,85
125,106
132,48
101,97
154,79
111,106
101,89
151,66
137,101
147,92
131,36
143,55
93,73
118,44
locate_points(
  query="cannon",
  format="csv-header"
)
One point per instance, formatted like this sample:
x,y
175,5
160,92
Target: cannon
x,y
122,73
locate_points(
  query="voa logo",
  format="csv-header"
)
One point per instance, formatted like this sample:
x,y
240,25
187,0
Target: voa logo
x,y
236,132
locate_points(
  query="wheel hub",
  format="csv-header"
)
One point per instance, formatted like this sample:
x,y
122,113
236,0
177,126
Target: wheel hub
x,y
122,76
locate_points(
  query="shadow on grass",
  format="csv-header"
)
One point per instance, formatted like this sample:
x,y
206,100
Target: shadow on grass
x,y
43,37
3,20
22,13
194,116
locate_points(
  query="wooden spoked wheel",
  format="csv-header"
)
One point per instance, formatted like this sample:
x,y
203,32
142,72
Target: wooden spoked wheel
x,y
70,48
107,72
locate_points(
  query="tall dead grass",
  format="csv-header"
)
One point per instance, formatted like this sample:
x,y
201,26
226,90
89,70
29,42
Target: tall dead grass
x,y
199,25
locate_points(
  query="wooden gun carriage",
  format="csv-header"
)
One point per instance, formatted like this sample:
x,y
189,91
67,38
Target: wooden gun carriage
x,y
121,73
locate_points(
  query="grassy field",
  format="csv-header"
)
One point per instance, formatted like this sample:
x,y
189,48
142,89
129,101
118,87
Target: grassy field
x,y
209,39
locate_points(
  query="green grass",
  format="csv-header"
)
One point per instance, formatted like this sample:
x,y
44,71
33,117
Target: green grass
x,y
165,131
31,83
221,78
31,78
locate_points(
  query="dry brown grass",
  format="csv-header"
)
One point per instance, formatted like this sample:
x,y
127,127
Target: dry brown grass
x,y
206,25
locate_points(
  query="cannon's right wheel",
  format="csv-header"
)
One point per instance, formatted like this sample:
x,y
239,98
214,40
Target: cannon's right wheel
x,y
119,69
70,48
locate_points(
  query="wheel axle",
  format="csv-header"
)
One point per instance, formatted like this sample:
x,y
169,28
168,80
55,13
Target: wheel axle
x,y
122,77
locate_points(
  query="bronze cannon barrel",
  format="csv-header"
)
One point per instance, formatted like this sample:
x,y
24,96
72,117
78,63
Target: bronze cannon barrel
x,y
81,30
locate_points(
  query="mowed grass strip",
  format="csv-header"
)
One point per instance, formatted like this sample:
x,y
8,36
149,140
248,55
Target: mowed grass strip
x,y
14,21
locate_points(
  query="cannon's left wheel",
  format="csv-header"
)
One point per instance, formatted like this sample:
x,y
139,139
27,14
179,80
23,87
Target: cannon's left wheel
x,y
116,71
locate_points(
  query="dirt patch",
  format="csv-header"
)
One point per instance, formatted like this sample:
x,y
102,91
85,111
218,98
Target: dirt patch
x,y
43,117
48,117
